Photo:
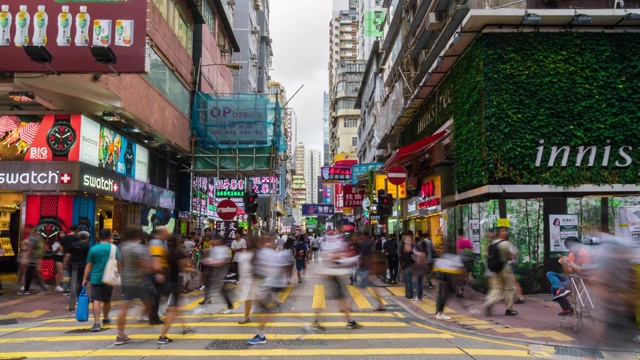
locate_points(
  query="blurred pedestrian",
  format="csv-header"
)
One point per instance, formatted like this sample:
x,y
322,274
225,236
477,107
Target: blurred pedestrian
x,y
177,260
66,242
246,259
160,264
100,292
135,277
390,249
218,260
301,251
315,247
31,261
77,258
58,260
501,282
464,249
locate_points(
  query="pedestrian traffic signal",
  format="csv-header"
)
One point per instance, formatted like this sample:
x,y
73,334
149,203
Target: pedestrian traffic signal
x,y
385,203
251,202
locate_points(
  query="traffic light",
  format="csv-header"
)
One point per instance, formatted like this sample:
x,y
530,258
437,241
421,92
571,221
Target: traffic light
x,y
251,202
385,203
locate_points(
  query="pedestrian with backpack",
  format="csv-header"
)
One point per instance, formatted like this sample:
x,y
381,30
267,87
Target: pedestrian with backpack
x,y
501,284
301,252
390,249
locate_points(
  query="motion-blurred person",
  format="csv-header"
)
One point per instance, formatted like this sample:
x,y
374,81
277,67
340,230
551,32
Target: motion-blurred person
x,y
288,247
31,261
238,244
270,266
159,261
560,283
315,247
390,249
66,243
446,269
93,273
177,260
135,278
77,257
218,260
338,262
501,282
301,251
464,249
58,260
407,259
367,268
245,260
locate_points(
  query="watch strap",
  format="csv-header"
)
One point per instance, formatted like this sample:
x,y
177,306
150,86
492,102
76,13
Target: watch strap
x,y
61,118
83,207
48,205
60,157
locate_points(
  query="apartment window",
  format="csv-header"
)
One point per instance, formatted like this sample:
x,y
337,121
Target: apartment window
x,y
208,16
168,83
350,123
173,15
354,141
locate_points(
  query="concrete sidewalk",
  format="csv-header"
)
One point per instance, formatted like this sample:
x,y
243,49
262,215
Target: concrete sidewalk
x,y
537,321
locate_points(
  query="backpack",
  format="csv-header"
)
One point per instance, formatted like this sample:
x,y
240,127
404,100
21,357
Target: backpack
x,y
393,249
300,251
494,261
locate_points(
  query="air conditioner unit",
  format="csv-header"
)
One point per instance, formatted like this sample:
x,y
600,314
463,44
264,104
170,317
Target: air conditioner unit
x,y
435,21
255,30
254,56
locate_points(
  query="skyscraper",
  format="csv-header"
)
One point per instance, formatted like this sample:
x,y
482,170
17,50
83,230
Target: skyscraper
x,y
251,28
326,154
312,164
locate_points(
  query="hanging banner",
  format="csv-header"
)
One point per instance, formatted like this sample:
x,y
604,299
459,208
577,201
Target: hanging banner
x,y
358,171
353,196
317,209
562,227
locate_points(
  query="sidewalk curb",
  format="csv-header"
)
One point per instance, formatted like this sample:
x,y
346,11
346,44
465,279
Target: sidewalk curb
x,y
444,326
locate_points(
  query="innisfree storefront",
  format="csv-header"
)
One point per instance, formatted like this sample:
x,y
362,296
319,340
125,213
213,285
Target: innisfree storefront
x,y
545,132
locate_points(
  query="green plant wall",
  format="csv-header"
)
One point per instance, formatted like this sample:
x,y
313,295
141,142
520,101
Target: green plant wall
x,y
568,88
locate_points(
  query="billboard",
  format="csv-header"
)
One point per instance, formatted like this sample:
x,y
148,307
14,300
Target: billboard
x,y
353,197
67,29
317,209
336,174
362,169
399,192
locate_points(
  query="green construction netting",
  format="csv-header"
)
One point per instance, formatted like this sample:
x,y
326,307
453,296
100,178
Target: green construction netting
x,y
240,159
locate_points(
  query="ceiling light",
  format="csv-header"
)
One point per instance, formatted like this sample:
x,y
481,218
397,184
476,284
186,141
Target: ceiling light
x,y
22,96
131,129
531,19
110,116
581,19
149,140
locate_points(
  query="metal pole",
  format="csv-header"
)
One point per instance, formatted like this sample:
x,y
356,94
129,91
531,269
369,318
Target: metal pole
x,y
397,214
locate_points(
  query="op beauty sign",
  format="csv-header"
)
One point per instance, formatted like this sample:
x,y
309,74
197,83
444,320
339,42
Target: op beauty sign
x,y
67,29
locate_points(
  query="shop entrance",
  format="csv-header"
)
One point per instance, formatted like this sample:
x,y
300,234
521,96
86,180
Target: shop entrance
x,y
114,214
10,211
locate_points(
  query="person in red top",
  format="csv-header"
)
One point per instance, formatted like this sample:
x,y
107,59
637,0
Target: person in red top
x,y
574,263
465,251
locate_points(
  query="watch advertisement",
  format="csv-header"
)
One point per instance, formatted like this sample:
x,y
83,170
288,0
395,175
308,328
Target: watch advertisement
x,y
67,30
49,215
39,138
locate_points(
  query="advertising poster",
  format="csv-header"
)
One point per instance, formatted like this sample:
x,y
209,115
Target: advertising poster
x,y
353,196
338,196
67,28
317,209
39,138
560,228
151,219
141,167
6,248
336,174
116,152
474,234
89,142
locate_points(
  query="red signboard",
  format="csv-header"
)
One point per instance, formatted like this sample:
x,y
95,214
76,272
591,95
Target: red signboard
x,y
227,210
352,196
429,203
68,29
336,174
428,189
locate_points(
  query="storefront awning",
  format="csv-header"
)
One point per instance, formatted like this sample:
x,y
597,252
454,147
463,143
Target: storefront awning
x,y
413,150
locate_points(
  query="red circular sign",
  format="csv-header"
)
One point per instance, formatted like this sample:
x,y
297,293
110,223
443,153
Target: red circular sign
x,y
227,210
397,175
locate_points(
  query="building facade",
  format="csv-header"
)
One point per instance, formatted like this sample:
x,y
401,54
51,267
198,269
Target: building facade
x,y
326,137
312,164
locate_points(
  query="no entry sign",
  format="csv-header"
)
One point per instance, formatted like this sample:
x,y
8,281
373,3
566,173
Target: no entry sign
x,y
397,175
227,210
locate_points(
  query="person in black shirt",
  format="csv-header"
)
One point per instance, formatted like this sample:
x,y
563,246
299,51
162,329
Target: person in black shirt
x,y
390,249
66,243
77,257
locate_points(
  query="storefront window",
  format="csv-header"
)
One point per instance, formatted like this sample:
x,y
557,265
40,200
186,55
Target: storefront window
x,y
168,83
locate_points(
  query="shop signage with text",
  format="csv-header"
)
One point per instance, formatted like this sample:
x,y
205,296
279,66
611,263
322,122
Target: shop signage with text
x,y
623,155
100,183
353,196
336,174
38,176
429,203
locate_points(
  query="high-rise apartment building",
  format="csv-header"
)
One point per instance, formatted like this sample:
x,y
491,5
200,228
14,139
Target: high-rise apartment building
x,y
326,154
299,186
370,26
251,28
312,164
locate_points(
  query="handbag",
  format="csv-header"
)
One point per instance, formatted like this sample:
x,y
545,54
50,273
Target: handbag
x,y
82,310
111,275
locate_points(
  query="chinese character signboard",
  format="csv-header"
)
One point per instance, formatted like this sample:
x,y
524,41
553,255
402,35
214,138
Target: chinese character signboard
x,y
336,174
266,185
560,228
392,190
232,189
338,197
200,203
227,229
362,169
317,209
352,196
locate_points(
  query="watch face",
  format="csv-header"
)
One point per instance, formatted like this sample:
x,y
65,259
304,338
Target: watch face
x,y
61,138
128,158
49,230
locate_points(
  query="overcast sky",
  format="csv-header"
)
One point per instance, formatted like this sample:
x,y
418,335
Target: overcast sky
x,y
300,33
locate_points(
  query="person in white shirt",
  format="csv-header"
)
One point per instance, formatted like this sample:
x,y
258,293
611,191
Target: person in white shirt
x,y
218,259
244,258
238,244
280,242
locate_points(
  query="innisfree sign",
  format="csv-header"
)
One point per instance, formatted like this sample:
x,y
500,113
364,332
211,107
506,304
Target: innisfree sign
x,y
583,154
